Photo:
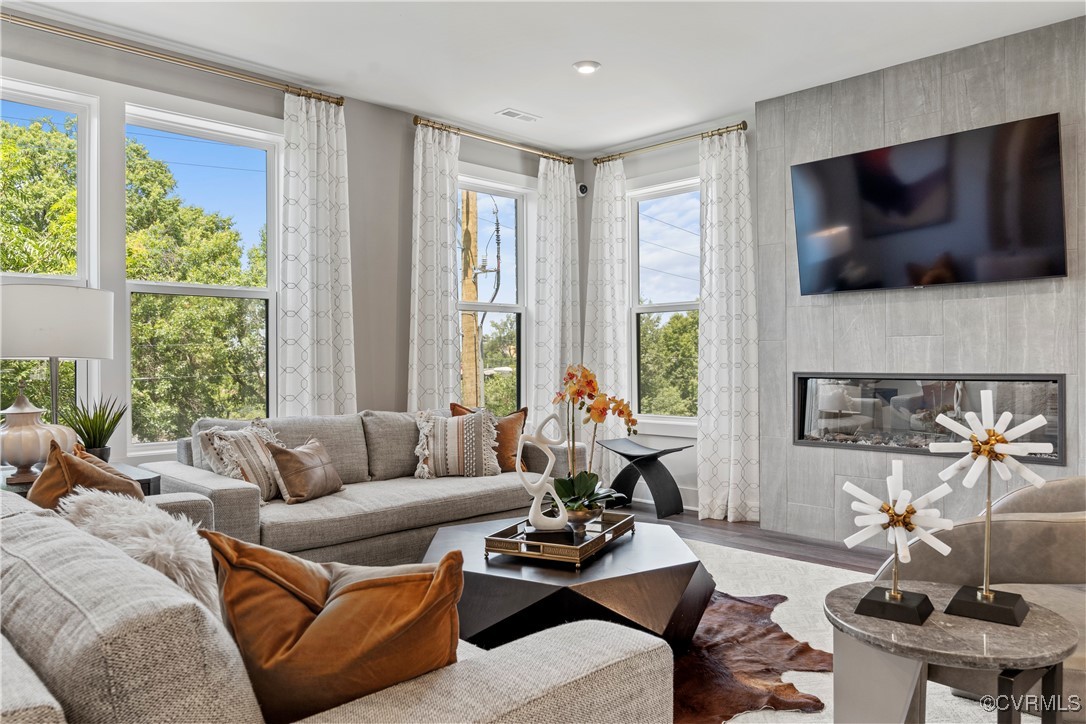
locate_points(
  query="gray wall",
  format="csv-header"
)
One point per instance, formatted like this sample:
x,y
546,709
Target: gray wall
x,y
1028,327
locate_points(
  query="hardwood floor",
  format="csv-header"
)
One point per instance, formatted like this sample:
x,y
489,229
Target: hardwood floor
x,y
748,536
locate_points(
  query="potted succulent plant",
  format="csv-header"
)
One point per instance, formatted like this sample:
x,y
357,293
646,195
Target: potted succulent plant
x,y
581,493
95,423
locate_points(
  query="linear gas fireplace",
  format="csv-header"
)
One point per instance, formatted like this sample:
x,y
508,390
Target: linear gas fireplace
x,y
896,412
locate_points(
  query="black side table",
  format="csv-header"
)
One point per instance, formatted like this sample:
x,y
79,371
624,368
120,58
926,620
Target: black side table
x,y
645,462
149,482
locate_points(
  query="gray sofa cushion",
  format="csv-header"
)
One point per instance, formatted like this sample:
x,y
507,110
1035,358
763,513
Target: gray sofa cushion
x,y
341,435
25,698
391,438
103,632
379,507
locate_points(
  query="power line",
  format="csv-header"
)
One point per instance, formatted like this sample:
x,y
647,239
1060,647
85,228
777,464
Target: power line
x,y
186,139
669,248
688,231
661,271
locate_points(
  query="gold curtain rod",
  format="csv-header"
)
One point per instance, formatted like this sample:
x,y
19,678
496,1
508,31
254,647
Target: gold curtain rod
x,y
420,121
741,126
167,58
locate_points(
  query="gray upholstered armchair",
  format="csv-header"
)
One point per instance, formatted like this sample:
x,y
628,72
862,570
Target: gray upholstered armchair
x,y
1038,551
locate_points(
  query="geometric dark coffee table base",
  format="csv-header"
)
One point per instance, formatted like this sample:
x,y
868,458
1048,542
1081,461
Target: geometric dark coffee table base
x,y
649,581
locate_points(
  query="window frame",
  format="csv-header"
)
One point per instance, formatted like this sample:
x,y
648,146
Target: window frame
x,y
491,181
85,107
234,134
672,425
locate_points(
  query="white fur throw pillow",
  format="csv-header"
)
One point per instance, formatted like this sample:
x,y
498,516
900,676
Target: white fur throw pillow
x,y
149,535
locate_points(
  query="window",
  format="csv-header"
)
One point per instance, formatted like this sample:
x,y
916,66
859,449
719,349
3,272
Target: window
x,y
198,206
39,220
667,249
489,230
44,214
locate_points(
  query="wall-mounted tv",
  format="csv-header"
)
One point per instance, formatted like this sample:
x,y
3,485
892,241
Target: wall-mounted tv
x,y
977,206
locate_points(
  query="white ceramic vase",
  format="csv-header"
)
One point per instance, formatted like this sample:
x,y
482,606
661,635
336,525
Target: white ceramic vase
x,y
24,439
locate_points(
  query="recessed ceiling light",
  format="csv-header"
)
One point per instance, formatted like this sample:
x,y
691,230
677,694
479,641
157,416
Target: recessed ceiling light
x,y
586,67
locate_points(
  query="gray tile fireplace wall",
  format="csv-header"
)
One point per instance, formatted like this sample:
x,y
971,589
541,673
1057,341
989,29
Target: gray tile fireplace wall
x,y
1028,327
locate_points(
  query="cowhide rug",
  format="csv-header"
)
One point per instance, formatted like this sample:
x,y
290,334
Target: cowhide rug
x,y
736,660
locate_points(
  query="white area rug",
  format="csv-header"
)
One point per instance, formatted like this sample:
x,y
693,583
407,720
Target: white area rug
x,y
743,573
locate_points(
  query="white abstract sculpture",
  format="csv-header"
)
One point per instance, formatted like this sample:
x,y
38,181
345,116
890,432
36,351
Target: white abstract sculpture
x,y
989,444
543,485
898,516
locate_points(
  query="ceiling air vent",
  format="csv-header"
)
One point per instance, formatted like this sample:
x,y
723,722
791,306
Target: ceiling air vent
x,y
517,115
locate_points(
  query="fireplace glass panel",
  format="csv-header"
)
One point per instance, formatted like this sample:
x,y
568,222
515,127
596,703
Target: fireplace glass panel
x,y
897,413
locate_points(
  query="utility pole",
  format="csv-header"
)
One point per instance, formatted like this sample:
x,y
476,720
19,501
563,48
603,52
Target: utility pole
x,y
471,364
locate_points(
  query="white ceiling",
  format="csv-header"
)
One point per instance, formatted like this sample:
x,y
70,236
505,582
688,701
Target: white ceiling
x,y
666,66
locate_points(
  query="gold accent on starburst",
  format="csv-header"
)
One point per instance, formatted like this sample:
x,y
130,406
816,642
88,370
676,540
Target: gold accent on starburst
x,y
986,448
904,520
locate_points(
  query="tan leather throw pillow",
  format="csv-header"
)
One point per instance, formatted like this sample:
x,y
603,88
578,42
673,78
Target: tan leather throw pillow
x,y
306,472
317,635
64,472
509,428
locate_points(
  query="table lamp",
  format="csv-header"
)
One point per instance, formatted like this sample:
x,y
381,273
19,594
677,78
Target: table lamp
x,y
49,321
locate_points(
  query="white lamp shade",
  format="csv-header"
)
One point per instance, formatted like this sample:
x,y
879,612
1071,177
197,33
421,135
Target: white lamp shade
x,y
44,320
834,398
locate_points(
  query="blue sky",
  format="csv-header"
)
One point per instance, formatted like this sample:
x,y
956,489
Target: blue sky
x,y
669,236
215,176
218,177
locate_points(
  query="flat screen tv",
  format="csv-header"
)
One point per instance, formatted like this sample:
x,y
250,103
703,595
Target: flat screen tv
x,y
977,206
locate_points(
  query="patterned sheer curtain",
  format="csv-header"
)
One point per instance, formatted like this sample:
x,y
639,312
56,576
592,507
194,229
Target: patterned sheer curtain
x,y
556,290
727,445
433,378
607,303
316,327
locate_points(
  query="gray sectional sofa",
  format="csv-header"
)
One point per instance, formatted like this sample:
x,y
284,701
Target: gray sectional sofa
x,y
91,635
384,516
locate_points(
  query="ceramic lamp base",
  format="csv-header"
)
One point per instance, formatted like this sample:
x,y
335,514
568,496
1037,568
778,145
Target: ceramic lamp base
x,y
1006,608
913,608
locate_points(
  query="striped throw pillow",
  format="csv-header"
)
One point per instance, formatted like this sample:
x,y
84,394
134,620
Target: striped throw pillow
x,y
243,455
456,446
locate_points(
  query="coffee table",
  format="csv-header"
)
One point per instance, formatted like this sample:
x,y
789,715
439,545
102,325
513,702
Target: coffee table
x,y
648,580
881,668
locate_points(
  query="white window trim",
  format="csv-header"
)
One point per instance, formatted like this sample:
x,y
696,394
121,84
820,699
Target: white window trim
x,y
111,99
232,133
483,179
85,108
646,189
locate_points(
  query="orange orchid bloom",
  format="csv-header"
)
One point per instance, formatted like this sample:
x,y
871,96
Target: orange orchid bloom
x,y
597,411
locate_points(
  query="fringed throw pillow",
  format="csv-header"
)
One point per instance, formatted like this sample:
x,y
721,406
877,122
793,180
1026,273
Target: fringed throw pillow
x,y
456,446
243,455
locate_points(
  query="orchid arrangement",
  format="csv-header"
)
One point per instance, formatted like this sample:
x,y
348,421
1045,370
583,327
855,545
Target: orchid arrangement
x,y
581,395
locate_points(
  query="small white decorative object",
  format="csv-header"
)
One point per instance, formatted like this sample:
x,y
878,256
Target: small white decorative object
x,y
24,438
989,444
543,485
898,516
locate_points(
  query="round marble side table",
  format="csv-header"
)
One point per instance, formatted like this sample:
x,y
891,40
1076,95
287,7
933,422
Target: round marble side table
x,y
880,668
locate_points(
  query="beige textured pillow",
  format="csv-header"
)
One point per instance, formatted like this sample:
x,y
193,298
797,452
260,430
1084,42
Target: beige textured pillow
x,y
456,446
306,472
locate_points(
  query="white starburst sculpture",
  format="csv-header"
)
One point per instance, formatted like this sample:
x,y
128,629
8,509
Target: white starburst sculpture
x,y
898,516
989,444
